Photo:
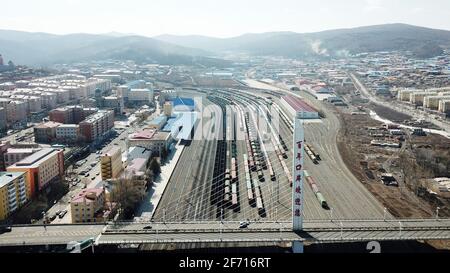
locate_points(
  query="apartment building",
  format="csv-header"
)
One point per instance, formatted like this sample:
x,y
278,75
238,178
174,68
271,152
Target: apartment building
x,y
153,140
45,132
90,206
97,125
3,122
140,96
71,114
111,163
42,168
14,192
68,132
16,111
13,155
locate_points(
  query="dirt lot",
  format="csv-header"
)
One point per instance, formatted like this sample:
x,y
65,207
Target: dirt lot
x,y
387,113
369,162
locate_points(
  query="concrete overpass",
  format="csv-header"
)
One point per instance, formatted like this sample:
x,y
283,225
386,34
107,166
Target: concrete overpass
x,y
213,232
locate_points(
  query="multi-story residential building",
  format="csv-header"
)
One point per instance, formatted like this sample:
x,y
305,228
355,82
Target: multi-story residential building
x,y
153,140
4,146
49,100
42,168
14,155
71,114
3,122
140,96
90,206
111,163
97,125
45,132
68,132
16,111
14,192
113,103
444,106
62,115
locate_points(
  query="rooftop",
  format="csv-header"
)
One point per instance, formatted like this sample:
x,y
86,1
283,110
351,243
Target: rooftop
x,y
140,90
7,177
112,151
87,195
35,159
49,124
138,152
137,165
145,134
183,101
68,126
158,120
149,135
20,150
298,104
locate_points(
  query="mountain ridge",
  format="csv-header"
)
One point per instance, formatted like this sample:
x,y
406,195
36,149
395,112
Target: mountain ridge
x,y
328,42
39,48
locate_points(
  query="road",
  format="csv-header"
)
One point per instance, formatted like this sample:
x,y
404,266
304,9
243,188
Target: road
x,y
398,106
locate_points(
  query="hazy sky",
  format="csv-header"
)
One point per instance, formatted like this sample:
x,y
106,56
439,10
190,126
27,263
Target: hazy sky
x,y
215,18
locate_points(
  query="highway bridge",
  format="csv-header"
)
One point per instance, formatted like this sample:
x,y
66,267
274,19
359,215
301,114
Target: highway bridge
x,y
320,231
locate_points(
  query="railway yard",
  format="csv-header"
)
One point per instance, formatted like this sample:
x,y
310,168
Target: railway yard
x,y
245,173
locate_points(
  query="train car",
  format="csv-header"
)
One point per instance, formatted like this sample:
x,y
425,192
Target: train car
x,y
313,151
260,206
259,203
260,175
251,198
322,201
272,174
226,198
234,201
233,188
251,164
316,190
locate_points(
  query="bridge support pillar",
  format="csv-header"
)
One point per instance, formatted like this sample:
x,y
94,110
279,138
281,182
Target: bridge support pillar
x,y
297,173
297,247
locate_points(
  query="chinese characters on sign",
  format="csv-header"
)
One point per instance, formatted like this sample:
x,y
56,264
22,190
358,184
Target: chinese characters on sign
x,y
297,184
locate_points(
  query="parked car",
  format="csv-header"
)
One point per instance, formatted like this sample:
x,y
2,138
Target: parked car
x,y
52,217
4,229
62,213
147,227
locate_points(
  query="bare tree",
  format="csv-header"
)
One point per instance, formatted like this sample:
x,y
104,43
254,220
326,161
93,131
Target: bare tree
x,y
126,193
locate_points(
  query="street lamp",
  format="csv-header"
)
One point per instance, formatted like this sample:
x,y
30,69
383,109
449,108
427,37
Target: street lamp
x,y
437,212
384,213
331,214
